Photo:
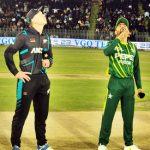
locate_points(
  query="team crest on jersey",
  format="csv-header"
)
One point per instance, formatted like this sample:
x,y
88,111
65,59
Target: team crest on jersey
x,y
44,41
46,55
119,49
32,40
36,50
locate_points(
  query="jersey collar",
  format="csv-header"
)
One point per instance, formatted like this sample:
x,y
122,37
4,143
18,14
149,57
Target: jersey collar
x,y
32,30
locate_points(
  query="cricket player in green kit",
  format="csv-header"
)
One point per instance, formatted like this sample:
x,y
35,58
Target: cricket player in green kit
x,y
123,68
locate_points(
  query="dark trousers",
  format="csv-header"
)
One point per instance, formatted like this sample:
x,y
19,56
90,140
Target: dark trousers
x,y
123,90
37,89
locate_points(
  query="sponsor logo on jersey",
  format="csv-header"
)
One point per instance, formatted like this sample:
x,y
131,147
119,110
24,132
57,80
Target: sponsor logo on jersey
x,y
36,50
124,62
32,40
124,56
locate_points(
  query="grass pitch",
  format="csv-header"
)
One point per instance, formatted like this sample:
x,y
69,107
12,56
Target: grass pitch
x,y
78,80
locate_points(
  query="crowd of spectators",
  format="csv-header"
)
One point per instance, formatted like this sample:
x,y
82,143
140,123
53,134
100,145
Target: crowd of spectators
x,y
61,14
75,15
136,11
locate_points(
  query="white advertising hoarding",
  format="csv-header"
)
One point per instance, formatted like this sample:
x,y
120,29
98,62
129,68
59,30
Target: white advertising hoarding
x,y
60,42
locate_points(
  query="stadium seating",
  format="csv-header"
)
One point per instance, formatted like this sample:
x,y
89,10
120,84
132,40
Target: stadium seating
x,y
137,12
66,18
61,14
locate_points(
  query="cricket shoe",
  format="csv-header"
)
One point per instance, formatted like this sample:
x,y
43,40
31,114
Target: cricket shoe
x,y
15,147
102,147
44,147
132,147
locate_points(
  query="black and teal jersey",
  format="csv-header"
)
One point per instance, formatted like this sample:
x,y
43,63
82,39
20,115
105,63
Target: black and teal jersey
x,y
32,48
123,60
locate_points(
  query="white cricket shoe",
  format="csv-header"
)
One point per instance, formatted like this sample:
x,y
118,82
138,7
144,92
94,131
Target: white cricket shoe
x,y
15,147
44,147
102,147
132,147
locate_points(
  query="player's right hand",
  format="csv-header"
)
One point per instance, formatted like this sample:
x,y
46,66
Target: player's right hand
x,y
23,76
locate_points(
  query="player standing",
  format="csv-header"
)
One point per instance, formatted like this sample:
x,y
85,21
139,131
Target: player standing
x,y
35,55
123,67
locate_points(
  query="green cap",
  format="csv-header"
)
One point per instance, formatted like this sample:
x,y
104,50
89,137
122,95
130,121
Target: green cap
x,y
122,20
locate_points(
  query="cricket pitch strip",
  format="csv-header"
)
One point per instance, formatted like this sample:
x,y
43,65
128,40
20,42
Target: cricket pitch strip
x,y
76,131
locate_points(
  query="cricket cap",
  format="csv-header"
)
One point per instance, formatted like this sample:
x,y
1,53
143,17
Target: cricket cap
x,y
32,13
122,20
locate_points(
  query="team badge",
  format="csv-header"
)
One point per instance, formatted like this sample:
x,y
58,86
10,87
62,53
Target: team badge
x,y
44,41
118,49
46,55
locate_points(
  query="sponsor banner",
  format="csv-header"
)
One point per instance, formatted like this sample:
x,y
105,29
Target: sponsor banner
x,y
78,42
60,42
7,40
143,45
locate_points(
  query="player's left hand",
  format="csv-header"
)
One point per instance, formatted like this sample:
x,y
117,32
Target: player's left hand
x,y
45,63
141,94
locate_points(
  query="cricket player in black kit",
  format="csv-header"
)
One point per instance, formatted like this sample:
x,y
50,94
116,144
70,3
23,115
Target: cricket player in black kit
x,y
35,55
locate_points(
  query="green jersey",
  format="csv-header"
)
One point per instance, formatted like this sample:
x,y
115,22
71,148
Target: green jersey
x,y
123,60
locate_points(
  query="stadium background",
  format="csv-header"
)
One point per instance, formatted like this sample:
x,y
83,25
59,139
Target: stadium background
x,y
78,76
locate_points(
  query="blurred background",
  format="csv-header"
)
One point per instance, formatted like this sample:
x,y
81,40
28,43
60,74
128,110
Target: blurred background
x,y
94,19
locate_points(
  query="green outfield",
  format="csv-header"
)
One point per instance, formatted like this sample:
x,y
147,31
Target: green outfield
x,y
78,80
